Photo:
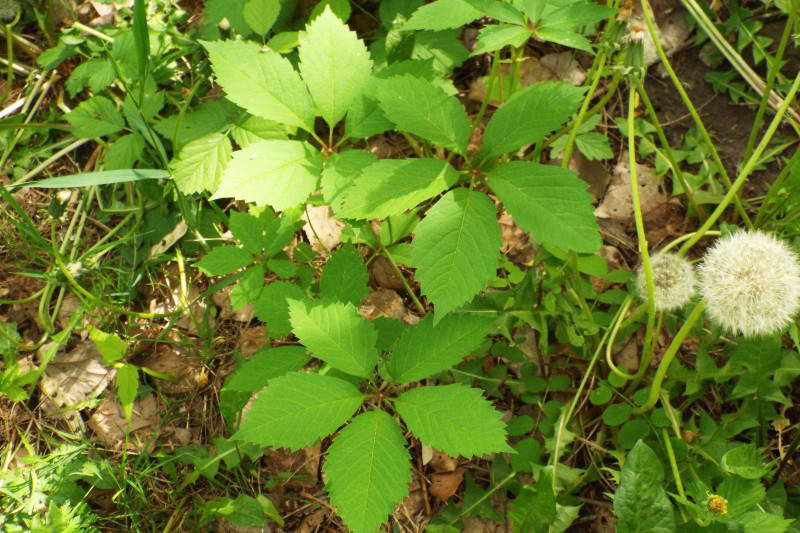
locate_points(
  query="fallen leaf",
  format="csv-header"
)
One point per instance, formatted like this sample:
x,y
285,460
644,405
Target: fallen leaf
x,y
446,484
531,71
73,377
384,275
252,340
565,67
617,204
311,523
516,241
109,424
427,453
176,362
324,232
386,303
441,462
222,299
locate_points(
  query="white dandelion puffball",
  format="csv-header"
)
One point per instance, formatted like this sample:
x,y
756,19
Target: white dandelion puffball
x,y
673,281
751,283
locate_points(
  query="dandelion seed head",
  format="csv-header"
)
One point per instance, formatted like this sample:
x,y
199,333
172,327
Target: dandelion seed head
x,y
751,283
673,281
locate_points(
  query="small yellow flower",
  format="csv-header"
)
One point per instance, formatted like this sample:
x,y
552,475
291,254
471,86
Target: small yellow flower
x,y
717,504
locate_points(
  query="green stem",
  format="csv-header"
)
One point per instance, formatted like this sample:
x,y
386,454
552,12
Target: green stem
x,y
613,336
669,355
397,271
647,354
774,70
749,166
649,20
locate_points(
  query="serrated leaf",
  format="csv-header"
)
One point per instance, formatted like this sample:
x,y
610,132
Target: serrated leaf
x,y
594,145
499,10
575,14
344,277
124,152
391,186
641,504
200,164
761,522
272,307
209,117
455,419
340,171
97,74
456,249
534,509
261,14
545,106
335,65
498,36
445,48
337,334
280,174
248,288
109,345
365,118
551,203
264,83
368,470
298,409
418,107
253,375
441,15
224,260
248,230
425,349
95,117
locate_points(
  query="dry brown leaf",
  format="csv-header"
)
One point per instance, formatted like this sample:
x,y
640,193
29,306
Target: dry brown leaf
x,y
324,232
531,71
617,204
197,316
311,523
441,462
482,525
673,33
592,172
565,67
175,361
222,299
446,484
74,377
252,340
109,424
386,303
516,241
384,275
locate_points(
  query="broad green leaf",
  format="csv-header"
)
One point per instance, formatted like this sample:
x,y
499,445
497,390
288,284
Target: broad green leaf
x,y
224,260
455,419
391,186
110,346
425,349
418,107
340,172
335,65
340,8
744,461
207,118
565,37
366,118
498,36
248,230
456,249
545,106
594,145
298,409
248,288
742,494
200,164
261,14
90,179
253,375
95,117
575,14
344,277
335,333
251,129
534,509
214,11
500,10
127,385
641,505
272,307
264,83
445,48
441,15
280,174
549,202
761,522
97,74
244,511
124,152
368,471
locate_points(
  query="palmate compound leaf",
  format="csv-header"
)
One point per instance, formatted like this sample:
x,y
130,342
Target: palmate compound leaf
x,y
262,82
280,174
456,249
344,276
455,419
425,349
544,106
335,333
418,107
442,15
200,164
551,203
335,65
641,504
391,186
298,409
368,470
